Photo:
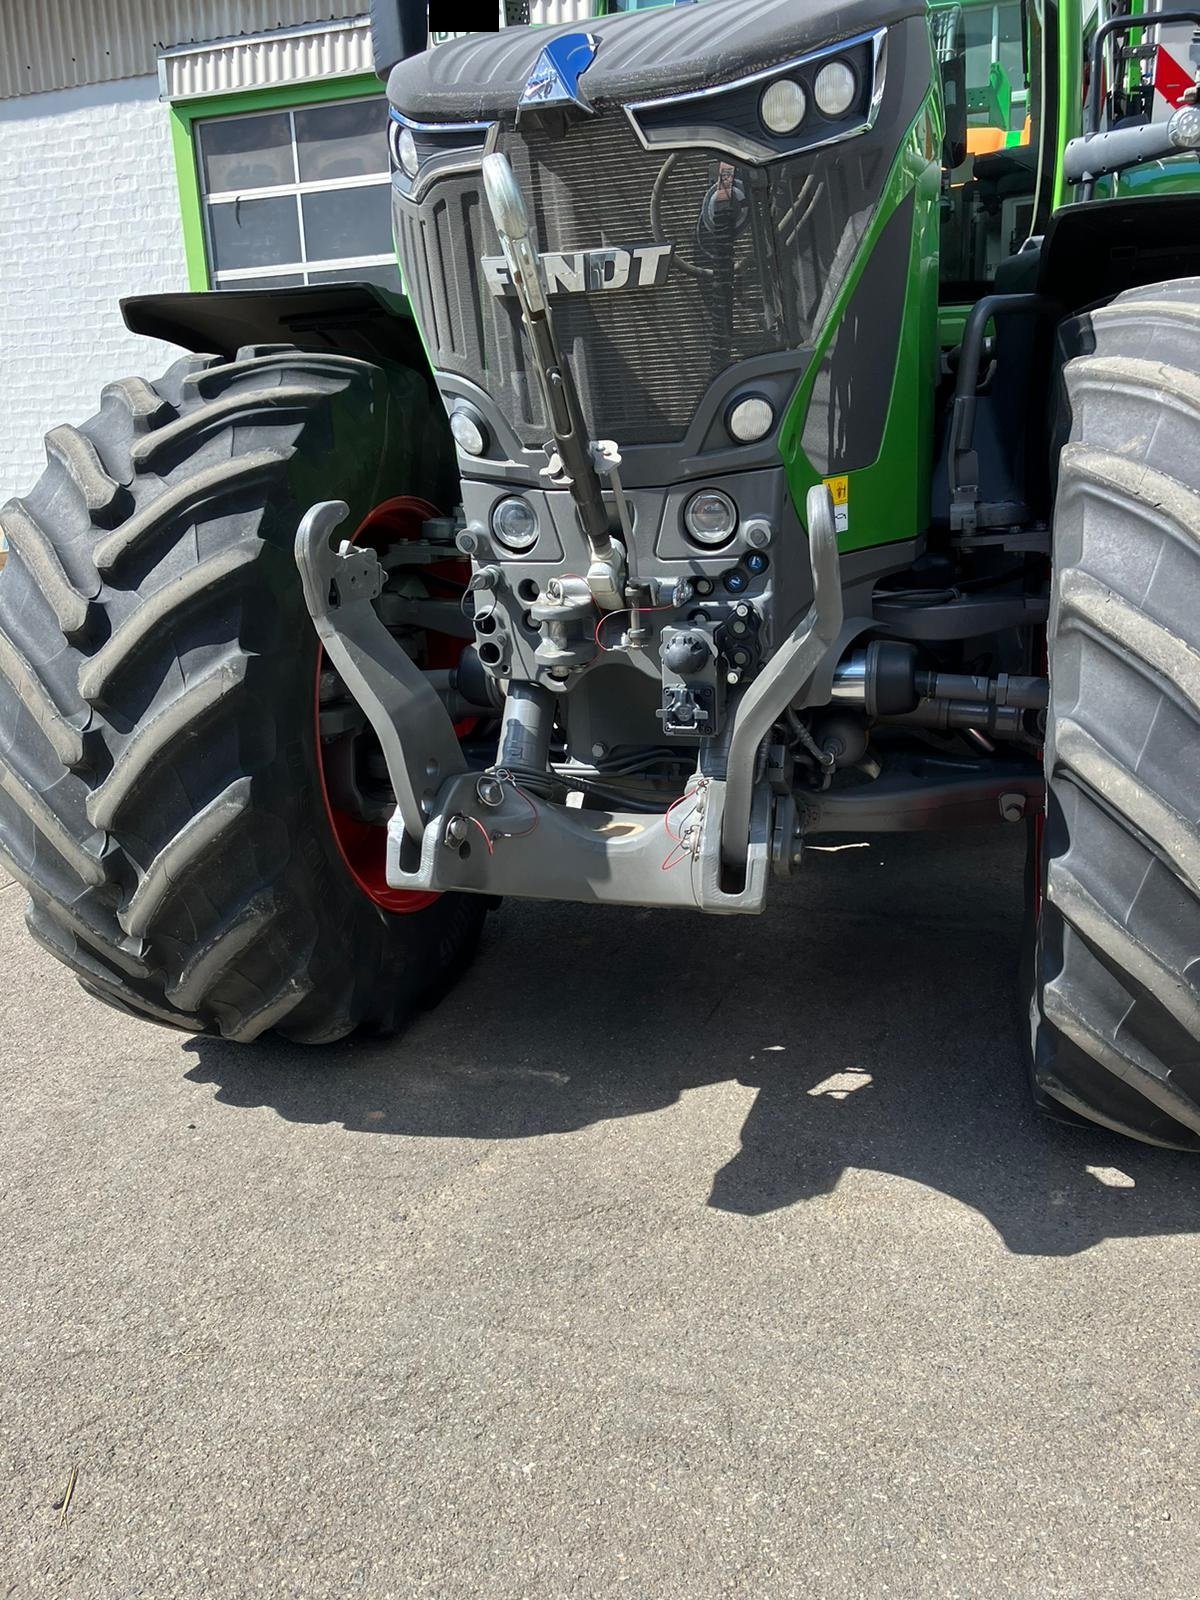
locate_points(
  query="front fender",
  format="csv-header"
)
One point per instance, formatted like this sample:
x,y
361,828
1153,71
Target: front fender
x,y
354,319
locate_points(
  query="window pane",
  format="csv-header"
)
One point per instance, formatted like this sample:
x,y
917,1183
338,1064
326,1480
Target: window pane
x,y
348,222
385,277
344,140
246,152
254,233
286,280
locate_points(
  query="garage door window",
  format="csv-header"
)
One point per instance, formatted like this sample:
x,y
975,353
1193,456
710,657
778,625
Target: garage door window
x,y
297,196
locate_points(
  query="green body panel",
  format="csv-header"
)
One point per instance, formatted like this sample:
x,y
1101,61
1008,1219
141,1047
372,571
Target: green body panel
x,y
190,204
1178,175
1070,98
952,321
889,499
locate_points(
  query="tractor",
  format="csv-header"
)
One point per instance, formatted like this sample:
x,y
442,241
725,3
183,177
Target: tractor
x,y
791,429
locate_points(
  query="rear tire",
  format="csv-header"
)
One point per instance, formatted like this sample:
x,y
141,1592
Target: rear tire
x,y
160,797
1115,1002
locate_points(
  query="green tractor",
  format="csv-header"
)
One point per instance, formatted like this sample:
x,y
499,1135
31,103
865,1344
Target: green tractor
x,y
793,430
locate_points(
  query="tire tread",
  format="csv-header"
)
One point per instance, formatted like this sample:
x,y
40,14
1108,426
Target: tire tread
x,y
1116,1023
155,804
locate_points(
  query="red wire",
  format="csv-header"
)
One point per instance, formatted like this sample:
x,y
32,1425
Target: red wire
x,y
525,832
487,838
671,808
680,851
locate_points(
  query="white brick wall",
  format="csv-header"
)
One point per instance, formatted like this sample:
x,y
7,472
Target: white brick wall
x,y
89,211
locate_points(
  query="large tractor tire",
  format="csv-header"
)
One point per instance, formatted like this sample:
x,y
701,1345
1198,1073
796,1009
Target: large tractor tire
x,y
1115,1007
162,797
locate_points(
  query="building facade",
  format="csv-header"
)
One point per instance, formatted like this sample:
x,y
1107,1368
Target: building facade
x,y
160,145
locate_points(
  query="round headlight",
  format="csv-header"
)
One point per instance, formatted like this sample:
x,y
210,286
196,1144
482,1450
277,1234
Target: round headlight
x,y
710,518
406,152
469,432
783,105
750,419
835,88
515,524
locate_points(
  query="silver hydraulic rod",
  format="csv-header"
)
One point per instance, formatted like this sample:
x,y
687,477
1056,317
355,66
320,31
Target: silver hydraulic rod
x,y
856,682
1098,154
561,397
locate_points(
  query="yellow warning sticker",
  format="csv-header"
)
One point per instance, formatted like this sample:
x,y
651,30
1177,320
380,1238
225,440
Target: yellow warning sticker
x,y
839,489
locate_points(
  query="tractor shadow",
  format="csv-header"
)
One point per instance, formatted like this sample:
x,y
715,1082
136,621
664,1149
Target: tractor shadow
x,y
872,1009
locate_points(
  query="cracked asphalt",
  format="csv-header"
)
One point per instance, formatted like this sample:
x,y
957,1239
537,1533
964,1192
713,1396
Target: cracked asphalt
x,y
667,1257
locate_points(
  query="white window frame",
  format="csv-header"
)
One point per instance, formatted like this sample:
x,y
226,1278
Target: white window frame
x,y
229,277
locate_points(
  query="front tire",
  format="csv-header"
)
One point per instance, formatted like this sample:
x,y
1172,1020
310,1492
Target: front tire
x,y
1115,1003
160,792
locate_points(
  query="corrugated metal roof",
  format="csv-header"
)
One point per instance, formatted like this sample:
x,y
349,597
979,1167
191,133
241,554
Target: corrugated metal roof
x,y
290,55
57,44
295,55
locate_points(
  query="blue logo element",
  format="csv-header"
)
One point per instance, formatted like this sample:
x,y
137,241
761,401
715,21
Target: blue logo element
x,y
554,80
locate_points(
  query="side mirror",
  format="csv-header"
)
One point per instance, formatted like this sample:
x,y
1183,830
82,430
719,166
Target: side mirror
x,y
954,97
950,49
399,29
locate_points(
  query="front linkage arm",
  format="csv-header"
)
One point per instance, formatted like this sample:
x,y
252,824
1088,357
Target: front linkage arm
x,y
484,833
409,719
785,677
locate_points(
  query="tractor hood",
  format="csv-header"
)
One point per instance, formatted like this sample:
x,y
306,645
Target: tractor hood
x,y
638,56
692,251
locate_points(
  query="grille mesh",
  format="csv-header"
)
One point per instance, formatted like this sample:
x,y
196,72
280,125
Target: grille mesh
x,y
758,253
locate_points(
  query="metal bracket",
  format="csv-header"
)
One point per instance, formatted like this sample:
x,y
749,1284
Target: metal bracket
x,y
417,736
491,836
786,675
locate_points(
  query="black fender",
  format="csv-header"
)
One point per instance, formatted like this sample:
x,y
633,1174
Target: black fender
x,y
1094,250
353,319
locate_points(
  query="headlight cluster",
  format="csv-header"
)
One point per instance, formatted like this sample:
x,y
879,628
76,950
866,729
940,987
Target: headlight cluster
x,y
420,151
813,100
710,520
784,103
404,148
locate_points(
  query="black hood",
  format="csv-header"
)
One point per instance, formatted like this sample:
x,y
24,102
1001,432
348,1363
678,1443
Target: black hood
x,y
640,55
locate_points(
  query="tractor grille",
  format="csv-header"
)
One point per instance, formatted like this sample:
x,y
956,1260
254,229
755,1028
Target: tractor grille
x,y
757,254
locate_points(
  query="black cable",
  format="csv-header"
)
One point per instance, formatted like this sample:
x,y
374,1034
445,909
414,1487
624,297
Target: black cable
x,y
544,784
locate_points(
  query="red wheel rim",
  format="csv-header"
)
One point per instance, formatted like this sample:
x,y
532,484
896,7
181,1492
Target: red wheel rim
x,y
363,845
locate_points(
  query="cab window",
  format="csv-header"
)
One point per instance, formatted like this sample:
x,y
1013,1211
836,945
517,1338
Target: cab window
x,y
990,58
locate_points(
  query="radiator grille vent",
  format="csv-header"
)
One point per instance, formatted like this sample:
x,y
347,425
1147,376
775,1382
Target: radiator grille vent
x,y
758,253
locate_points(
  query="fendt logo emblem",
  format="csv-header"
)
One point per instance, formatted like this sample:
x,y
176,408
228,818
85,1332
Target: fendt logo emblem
x,y
638,266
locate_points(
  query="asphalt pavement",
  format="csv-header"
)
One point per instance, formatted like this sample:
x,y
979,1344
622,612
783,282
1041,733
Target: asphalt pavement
x,y
669,1257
